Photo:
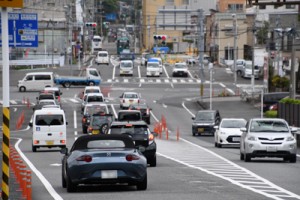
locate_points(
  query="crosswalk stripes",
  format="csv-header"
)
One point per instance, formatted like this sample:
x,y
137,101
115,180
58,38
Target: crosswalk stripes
x,y
156,80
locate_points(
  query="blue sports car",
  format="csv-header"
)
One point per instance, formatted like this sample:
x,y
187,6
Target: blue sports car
x,y
103,159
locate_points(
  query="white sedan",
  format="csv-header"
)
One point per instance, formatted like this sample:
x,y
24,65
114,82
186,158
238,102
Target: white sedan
x,y
128,98
228,132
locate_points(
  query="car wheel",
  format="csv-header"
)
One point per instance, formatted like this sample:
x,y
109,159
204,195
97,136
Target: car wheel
x,y
91,83
71,187
67,84
293,158
216,144
34,148
194,134
239,73
219,145
142,185
104,128
84,130
152,161
63,179
22,89
148,121
247,157
241,156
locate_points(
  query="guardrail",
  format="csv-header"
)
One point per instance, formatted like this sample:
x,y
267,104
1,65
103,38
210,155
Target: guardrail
x,y
34,62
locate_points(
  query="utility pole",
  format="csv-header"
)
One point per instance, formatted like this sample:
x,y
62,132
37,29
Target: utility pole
x,y
277,44
234,46
201,49
292,78
253,54
101,30
149,29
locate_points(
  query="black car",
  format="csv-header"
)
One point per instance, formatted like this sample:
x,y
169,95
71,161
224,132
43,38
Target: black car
x,y
144,109
140,134
99,123
204,122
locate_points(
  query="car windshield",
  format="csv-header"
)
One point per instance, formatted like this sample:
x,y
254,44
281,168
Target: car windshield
x,y
268,126
95,99
47,103
180,66
49,120
99,120
46,96
153,65
126,64
130,96
233,123
89,110
102,54
129,129
205,116
92,91
102,144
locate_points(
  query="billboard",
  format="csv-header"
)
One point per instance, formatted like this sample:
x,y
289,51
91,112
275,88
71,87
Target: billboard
x,y
22,30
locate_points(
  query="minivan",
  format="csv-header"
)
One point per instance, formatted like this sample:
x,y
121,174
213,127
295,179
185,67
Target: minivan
x,y
49,128
205,121
36,81
126,67
102,58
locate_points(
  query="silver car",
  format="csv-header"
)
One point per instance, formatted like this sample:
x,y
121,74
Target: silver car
x,y
268,137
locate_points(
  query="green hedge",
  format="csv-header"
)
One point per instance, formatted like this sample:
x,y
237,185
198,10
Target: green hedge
x,y
271,114
290,101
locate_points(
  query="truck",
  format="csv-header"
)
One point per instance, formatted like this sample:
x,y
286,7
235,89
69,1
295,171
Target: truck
x,y
90,76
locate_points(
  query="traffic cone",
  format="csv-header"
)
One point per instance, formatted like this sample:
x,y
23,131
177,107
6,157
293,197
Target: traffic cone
x,y
177,134
28,103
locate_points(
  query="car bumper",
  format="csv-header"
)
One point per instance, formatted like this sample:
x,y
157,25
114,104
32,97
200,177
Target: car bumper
x,y
229,139
180,73
271,150
203,130
151,73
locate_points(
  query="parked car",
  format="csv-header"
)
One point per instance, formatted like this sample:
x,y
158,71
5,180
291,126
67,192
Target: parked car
x,y
229,131
268,137
103,159
140,134
195,60
89,110
128,98
205,121
144,109
272,98
247,70
180,69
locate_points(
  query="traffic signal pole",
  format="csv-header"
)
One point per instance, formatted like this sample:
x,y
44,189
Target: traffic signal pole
x,y
201,49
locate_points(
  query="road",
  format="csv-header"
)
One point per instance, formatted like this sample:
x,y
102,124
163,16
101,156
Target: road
x,y
191,168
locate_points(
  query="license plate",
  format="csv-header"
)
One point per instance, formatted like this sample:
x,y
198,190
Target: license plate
x,y
200,130
271,149
130,101
236,139
49,142
95,132
109,174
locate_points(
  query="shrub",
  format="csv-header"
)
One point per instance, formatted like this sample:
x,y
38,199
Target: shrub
x,y
290,101
280,82
271,114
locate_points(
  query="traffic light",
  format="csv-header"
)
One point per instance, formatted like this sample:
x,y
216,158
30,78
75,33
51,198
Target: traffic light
x,y
160,38
91,24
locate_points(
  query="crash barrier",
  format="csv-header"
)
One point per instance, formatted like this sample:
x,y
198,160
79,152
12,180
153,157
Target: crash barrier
x,y
23,175
161,128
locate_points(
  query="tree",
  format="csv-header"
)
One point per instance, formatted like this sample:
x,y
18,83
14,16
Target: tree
x,y
262,33
110,6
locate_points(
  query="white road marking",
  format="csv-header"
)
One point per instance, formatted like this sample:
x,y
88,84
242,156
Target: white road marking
x,y
45,182
190,112
109,80
139,71
74,100
222,85
114,110
164,105
167,81
55,164
114,71
155,118
174,80
13,102
166,71
15,109
125,80
75,121
190,74
158,81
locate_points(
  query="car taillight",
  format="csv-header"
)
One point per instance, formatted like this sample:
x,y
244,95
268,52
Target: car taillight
x,y
151,137
83,120
63,141
131,157
86,158
90,128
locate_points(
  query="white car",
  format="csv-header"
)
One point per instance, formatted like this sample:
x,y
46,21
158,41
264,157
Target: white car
x,y
90,89
102,58
126,67
153,68
268,137
92,98
247,72
180,69
128,98
195,60
229,131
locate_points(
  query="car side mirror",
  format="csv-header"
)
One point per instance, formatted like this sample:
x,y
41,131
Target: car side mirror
x,y
193,118
64,151
243,129
37,98
67,123
30,124
216,127
293,129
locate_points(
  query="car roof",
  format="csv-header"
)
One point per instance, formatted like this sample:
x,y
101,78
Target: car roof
x,y
39,73
91,87
51,89
82,141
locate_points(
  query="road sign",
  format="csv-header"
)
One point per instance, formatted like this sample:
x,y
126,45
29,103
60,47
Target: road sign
x,y
22,30
11,3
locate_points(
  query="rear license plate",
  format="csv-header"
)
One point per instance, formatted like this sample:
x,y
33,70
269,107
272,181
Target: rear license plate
x,y
271,149
95,132
236,139
109,174
200,130
49,142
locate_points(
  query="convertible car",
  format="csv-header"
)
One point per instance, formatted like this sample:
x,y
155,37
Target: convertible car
x,y
103,159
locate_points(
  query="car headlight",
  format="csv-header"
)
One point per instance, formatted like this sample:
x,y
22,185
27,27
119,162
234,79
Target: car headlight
x,y
290,138
251,138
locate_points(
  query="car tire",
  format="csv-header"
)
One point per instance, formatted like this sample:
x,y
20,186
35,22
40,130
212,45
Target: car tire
x,y
84,130
247,157
104,128
148,120
152,161
63,179
219,145
67,84
91,83
242,156
142,185
34,148
293,158
194,134
22,89
216,144
71,187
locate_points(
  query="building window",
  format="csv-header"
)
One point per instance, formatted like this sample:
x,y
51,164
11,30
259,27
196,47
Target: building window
x,y
185,2
229,53
290,6
169,2
235,7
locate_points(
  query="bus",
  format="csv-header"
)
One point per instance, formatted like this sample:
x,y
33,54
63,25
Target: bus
x,y
96,44
122,43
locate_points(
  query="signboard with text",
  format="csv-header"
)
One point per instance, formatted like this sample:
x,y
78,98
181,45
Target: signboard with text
x,y
22,30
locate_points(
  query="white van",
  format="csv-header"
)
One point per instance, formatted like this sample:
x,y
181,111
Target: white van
x,y
153,68
126,67
160,64
49,128
102,58
36,81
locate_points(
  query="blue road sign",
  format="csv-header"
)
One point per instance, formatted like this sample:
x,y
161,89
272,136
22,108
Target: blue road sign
x,y
22,30
111,16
